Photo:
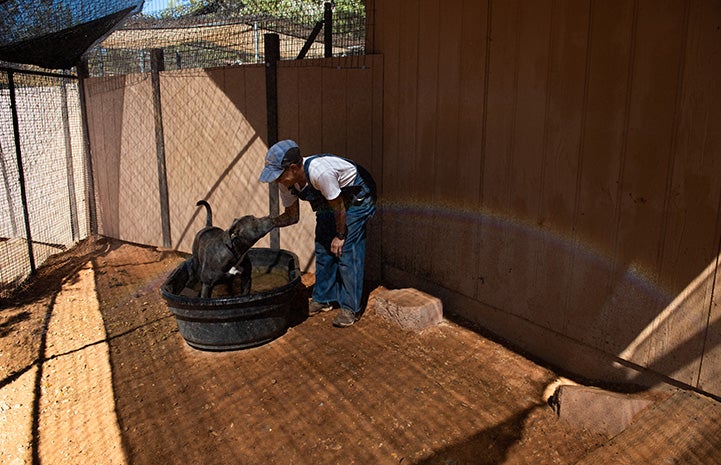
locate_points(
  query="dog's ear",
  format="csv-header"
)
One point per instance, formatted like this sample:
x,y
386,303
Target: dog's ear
x,y
235,227
228,237
243,228
233,231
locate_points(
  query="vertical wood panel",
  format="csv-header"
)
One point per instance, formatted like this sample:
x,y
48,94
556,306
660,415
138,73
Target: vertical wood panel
x,y
300,89
255,110
521,35
495,259
359,106
138,197
388,40
701,135
472,115
212,150
289,117
421,163
694,231
388,13
647,168
692,203
310,127
563,115
456,181
377,66
233,84
328,106
601,160
398,247
593,166
105,113
374,260
528,158
333,109
288,102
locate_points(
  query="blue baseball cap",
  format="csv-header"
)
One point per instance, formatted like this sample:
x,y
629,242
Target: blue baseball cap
x,y
279,157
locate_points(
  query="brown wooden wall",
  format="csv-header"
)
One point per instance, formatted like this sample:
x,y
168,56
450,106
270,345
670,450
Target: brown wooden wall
x,y
215,128
551,170
548,168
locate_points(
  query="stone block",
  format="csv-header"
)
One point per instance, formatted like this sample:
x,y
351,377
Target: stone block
x,y
598,410
409,308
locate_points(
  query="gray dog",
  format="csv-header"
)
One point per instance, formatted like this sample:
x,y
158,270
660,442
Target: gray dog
x,y
219,256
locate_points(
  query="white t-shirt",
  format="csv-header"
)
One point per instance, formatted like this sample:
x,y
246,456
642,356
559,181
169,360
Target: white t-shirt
x,y
328,174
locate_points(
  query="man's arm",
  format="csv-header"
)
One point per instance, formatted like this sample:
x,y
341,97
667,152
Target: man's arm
x,y
336,245
290,215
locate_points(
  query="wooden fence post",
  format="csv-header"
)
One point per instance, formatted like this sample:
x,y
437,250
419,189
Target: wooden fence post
x,y
156,66
272,56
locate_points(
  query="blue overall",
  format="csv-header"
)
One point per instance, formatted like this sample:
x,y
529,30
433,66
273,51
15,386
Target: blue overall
x,y
340,279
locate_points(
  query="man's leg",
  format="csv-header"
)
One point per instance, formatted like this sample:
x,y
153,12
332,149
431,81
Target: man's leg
x,y
325,289
352,261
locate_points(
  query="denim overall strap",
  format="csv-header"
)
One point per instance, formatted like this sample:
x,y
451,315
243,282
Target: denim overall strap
x,y
362,189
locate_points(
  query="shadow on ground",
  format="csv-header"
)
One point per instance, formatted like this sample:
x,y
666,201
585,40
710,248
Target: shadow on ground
x,y
367,394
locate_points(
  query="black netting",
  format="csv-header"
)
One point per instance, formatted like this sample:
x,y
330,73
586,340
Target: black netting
x,y
55,34
47,187
227,33
42,157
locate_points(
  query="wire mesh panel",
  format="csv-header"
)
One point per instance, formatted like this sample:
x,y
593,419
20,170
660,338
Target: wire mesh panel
x,y
214,122
41,151
121,130
43,195
222,33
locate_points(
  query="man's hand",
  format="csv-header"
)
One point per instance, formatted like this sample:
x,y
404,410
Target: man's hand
x,y
336,246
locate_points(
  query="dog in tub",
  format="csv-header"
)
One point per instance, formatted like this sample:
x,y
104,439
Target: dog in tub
x,y
220,255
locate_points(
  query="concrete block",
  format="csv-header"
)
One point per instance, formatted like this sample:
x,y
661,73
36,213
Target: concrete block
x,y
409,308
597,410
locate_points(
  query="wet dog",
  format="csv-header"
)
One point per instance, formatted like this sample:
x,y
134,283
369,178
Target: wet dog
x,y
220,256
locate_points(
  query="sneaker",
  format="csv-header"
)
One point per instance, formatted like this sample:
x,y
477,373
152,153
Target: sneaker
x,y
317,307
345,318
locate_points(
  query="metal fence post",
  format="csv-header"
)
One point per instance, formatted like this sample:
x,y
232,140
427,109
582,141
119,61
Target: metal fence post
x,y
69,168
92,214
272,56
156,66
21,171
328,29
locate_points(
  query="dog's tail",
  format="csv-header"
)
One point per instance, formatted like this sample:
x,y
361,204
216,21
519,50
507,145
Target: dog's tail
x,y
209,212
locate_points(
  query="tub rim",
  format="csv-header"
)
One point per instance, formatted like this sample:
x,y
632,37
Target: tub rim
x,y
208,304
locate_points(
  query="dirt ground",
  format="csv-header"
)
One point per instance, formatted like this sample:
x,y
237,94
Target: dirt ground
x,y
94,371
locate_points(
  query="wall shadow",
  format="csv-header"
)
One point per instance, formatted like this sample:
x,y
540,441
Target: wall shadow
x,y
487,447
540,292
214,188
